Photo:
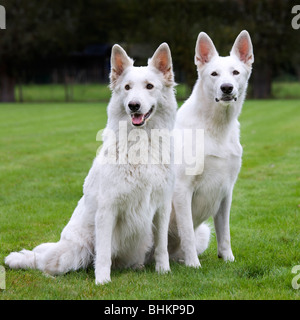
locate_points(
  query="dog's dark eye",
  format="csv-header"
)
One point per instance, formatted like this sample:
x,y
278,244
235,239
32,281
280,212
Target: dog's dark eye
x,y
127,87
214,74
235,72
149,86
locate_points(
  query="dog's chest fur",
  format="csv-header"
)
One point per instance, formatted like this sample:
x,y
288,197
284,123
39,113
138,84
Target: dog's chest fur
x,y
135,192
222,161
211,187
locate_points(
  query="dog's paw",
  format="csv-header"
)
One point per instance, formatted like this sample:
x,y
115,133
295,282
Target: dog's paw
x,y
226,255
162,267
194,264
102,276
138,266
102,281
162,270
192,260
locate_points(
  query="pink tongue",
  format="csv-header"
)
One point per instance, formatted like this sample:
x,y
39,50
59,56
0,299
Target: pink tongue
x,y
137,118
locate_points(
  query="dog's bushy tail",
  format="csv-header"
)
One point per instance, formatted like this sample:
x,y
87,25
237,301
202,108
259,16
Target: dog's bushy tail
x,y
202,235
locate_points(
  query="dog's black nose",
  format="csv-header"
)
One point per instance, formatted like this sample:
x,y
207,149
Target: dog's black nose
x,y
134,106
227,88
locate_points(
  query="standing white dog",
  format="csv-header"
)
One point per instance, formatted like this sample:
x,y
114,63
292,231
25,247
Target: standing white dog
x,y
214,106
124,194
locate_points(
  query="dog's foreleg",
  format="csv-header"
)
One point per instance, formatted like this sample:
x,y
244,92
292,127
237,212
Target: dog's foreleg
x,y
105,223
161,224
221,221
182,201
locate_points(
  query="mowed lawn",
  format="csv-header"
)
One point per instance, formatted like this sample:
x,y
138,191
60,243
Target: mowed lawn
x,y
46,151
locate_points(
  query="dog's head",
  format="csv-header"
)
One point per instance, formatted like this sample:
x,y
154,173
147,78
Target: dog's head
x,y
140,89
224,79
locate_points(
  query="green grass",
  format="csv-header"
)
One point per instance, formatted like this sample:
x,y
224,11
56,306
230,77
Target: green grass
x,y
46,152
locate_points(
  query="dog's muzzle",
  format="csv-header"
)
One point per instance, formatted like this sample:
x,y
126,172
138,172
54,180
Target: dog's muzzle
x,y
138,119
227,94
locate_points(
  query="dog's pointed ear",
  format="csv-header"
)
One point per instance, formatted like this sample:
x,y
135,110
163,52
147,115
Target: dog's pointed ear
x,y
162,61
205,49
243,49
119,62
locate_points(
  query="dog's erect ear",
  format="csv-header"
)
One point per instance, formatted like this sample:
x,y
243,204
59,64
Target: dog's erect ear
x,y
242,48
205,49
162,61
119,62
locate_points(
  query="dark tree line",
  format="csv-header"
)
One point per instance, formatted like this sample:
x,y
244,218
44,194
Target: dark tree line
x,y
37,29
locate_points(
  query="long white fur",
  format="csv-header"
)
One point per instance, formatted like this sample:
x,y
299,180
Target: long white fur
x,y
123,205
198,197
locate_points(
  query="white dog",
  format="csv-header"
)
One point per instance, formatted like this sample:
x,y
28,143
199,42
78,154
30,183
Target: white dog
x,y
124,194
214,106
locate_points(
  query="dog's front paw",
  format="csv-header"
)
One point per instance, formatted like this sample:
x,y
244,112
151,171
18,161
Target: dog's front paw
x,y
226,255
193,263
162,265
162,268
102,276
191,260
102,280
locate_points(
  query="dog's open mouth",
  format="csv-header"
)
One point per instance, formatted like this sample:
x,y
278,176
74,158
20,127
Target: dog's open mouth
x,y
226,98
138,119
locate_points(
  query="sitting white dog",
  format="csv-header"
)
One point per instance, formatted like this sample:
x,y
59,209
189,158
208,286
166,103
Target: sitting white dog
x,y
122,200
214,106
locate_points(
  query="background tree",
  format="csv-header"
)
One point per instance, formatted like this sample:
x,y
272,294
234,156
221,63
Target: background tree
x,y
37,29
179,22
34,30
